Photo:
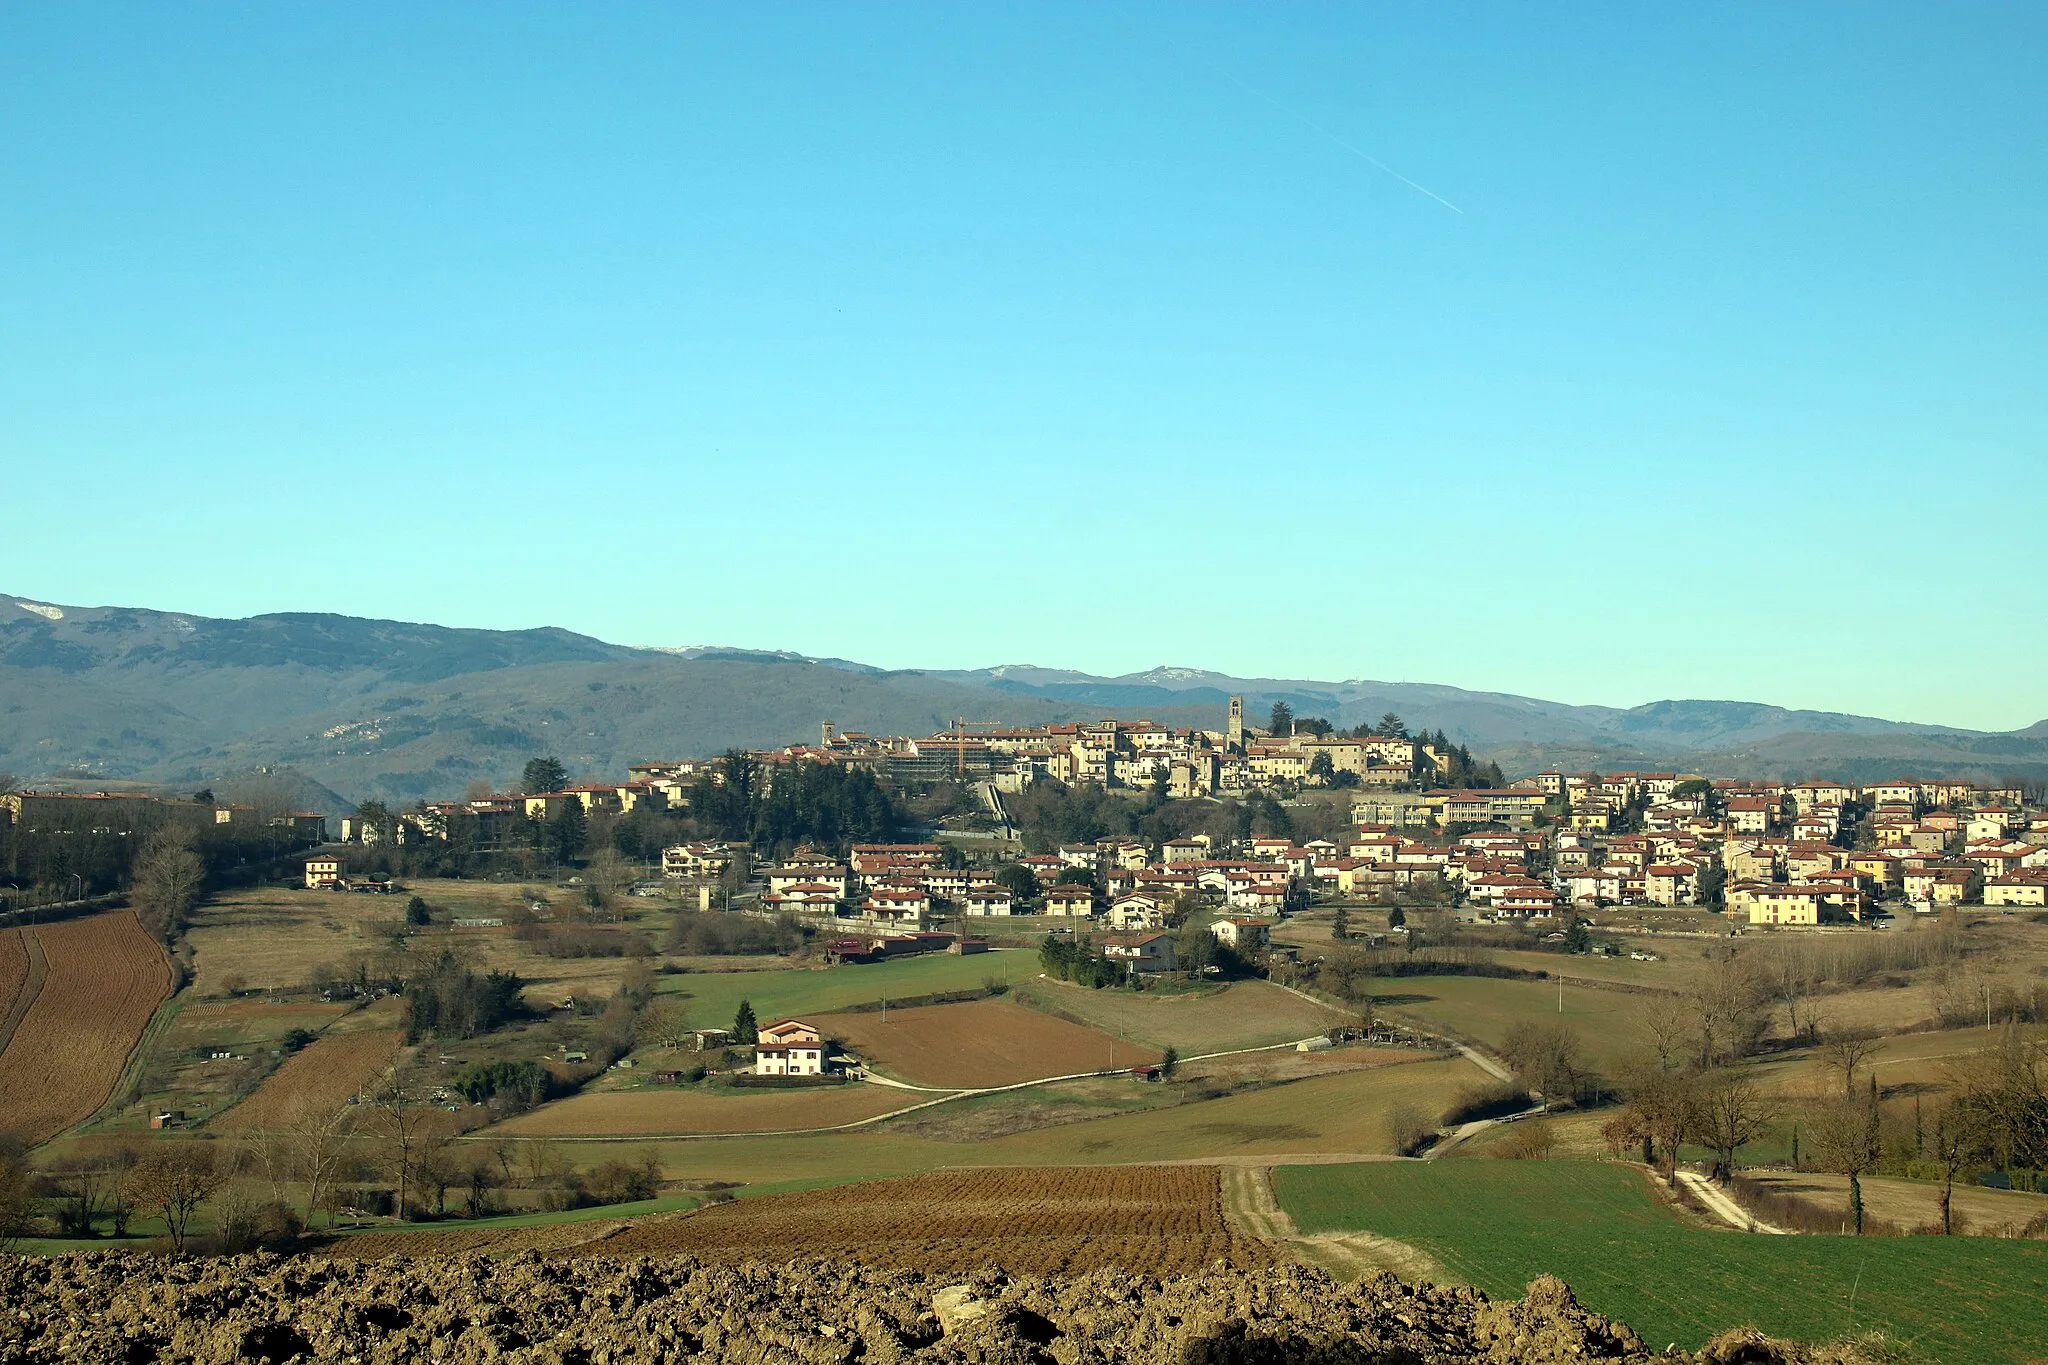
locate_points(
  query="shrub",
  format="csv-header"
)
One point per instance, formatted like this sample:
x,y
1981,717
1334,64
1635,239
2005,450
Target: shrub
x,y
1408,1132
520,1085
1531,1140
1485,1102
623,1182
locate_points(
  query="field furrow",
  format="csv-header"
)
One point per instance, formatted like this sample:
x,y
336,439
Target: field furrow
x,y
104,980
1154,1219
22,970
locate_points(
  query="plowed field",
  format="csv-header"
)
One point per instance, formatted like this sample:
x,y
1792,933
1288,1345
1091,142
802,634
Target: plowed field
x,y
104,980
20,979
977,1044
1154,1219
661,1110
318,1078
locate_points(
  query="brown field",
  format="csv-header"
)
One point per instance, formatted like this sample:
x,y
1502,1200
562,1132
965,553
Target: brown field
x,y
1154,1219
978,1044
1242,1014
318,1078
1914,1203
272,937
662,1110
460,1241
1908,1063
105,979
20,979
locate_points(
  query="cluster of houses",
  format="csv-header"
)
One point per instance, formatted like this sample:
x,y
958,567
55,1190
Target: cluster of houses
x,y
1138,753
1800,853
122,813
1114,753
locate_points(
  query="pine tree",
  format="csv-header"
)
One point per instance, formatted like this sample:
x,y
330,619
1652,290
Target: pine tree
x,y
745,1029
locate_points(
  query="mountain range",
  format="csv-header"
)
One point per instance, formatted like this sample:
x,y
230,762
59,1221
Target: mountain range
x,y
355,708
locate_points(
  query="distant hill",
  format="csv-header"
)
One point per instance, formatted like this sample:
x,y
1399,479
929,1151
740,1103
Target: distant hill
x,y
401,711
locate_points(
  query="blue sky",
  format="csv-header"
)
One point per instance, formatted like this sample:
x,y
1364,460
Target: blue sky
x,y
1089,336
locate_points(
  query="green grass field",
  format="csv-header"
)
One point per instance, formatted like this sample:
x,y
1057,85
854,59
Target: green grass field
x,y
714,997
1605,1231
1484,1008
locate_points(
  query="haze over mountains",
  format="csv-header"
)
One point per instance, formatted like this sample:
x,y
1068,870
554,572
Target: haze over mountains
x,y
92,695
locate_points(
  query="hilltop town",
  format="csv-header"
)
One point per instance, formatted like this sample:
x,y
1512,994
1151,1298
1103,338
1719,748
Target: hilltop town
x,y
1543,846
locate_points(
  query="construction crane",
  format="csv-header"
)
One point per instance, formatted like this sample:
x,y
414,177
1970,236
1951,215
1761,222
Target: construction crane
x,y
960,725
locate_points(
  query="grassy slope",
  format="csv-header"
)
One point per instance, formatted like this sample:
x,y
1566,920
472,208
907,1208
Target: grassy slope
x,y
1485,1008
1344,1112
1603,1230
713,998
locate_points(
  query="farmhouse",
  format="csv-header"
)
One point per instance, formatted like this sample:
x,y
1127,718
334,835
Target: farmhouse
x,y
1140,952
325,870
789,1047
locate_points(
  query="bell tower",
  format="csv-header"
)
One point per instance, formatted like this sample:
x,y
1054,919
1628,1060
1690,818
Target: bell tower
x,y
1234,741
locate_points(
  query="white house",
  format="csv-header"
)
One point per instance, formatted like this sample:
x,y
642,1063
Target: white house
x,y
1242,933
789,1047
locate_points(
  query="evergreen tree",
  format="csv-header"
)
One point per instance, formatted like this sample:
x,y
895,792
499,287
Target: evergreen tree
x,y
543,775
1281,721
566,831
1340,926
745,1029
1018,879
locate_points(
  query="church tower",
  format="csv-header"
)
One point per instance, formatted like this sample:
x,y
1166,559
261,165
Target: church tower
x,y
1235,740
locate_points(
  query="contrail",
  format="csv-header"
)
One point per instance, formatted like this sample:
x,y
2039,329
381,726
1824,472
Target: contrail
x,y
1359,152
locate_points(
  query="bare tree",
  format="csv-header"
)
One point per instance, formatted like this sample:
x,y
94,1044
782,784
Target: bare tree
x,y
1658,1106
1845,1140
78,1186
120,1163
478,1180
1959,1142
1792,982
17,1192
609,873
1847,1054
667,1022
1668,1021
165,881
174,1180
1723,1112
1408,1131
402,1119
1726,1000
1546,1057
317,1146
